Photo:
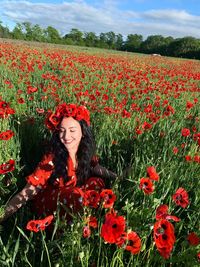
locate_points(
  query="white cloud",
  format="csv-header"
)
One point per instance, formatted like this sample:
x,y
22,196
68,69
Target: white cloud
x,y
102,17
171,15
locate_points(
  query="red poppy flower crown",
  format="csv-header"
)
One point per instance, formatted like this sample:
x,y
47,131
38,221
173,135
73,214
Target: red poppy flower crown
x,y
66,110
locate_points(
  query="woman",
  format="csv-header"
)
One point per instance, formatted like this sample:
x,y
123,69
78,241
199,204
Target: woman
x,y
68,169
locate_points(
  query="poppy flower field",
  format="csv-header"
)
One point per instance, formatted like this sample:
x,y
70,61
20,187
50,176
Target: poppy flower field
x,y
145,115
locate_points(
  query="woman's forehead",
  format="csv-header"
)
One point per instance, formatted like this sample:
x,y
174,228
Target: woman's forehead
x,y
69,122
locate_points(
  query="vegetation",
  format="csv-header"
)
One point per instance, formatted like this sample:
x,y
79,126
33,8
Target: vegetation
x,y
186,47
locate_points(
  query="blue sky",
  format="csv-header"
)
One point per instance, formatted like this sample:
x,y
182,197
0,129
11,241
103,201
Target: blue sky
x,y
177,18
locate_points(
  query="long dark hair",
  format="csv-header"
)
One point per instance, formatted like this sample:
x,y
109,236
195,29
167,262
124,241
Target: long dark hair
x,y
86,151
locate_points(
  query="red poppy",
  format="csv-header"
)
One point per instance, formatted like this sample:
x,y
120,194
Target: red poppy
x,y
94,183
52,121
181,197
7,167
175,150
4,105
86,232
198,256
189,105
162,213
113,227
31,89
153,175
6,135
196,158
146,126
92,221
40,110
188,158
91,198
134,243
5,110
146,185
108,197
169,110
21,100
121,240
138,131
37,225
164,237
185,132
193,239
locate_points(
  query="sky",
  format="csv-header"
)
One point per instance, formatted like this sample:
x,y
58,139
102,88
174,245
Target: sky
x,y
176,18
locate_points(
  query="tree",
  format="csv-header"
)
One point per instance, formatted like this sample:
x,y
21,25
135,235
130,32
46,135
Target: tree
x,y
38,33
133,42
17,32
155,44
52,35
119,42
111,41
4,31
28,30
165,48
185,47
76,36
90,39
103,40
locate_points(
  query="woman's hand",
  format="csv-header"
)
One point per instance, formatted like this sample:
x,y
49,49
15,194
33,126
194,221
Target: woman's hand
x,y
27,193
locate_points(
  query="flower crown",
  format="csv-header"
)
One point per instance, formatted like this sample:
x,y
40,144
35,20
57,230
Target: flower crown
x,y
66,110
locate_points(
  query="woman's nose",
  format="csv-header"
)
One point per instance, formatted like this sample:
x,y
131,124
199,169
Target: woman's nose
x,y
66,135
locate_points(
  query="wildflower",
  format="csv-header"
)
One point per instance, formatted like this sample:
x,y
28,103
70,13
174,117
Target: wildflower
x,y
5,110
6,135
138,131
92,221
175,150
193,239
113,227
164,237
134,243
196,158
162,213
7,167
185,132
91,198
95,183
21,100
188,158
181,197
153,175
86,232
40,110
189,105
198,256
37,225
108,197
146,185
146,126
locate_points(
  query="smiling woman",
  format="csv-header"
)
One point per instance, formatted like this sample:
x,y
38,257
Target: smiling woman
x,y
68,171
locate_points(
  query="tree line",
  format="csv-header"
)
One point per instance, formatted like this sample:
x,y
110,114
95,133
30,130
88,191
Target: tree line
x,y
186,47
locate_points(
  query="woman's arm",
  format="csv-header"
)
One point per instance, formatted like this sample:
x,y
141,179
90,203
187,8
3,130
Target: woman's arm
x,y
102,172
27,193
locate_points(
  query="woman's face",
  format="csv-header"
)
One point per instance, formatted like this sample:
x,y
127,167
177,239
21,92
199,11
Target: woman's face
x,y
70,133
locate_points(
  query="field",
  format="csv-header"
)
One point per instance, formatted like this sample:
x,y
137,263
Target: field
x,y
145,115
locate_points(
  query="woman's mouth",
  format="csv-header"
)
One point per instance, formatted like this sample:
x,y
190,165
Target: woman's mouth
x,y
68,141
